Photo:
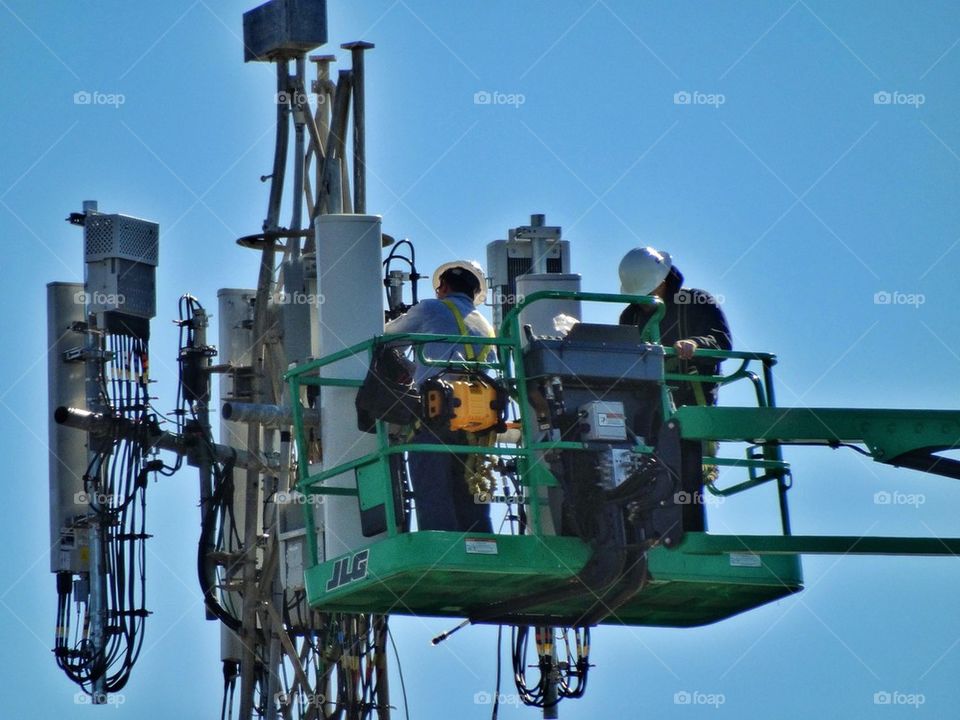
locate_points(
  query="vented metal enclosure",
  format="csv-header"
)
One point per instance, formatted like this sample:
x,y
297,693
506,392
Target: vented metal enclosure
x,y
121,254
507,259
536,252
122,237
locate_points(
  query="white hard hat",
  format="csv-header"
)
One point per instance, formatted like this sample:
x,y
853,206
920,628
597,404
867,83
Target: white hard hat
x,y
642,270
470,266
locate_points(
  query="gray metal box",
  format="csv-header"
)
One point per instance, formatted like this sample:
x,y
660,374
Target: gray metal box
x,y
121,253
508,258
120,236
603,420
596,352
284,28
122,286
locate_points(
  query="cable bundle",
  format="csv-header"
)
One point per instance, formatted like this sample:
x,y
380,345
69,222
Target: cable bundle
x,y
345,660
569,673
115,485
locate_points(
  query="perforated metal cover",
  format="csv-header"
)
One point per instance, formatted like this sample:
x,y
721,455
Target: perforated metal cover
x,y
136,284
124,286
120,236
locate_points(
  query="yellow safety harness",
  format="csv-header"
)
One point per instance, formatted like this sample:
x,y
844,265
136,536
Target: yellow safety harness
x,y
478,468
468,348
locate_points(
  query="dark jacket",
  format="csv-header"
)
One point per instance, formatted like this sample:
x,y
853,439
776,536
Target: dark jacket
x,y
691,314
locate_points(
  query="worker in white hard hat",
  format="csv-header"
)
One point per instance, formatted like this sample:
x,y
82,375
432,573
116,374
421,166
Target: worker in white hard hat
x,y
693,320
442,499
460,287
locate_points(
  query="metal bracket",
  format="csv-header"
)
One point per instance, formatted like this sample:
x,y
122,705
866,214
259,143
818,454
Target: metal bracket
x,y
82,355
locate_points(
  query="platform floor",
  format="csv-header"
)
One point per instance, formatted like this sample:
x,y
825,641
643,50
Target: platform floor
x,y
449,574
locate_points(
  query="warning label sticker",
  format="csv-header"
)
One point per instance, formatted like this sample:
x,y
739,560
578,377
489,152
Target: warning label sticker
x,y
481,546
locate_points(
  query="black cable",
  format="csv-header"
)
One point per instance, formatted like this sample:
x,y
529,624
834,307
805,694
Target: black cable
x,y
117,500
403,686
833,444
496,692
212,516
411,262
572,670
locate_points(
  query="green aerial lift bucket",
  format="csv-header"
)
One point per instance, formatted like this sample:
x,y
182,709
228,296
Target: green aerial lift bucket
x,y
538,577
455,575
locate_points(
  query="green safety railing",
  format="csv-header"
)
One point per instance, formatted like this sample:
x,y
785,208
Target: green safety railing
x,y
306,374
509,366
764,463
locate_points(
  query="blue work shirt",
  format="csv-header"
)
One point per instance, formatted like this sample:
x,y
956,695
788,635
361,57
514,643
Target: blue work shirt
x,y
434,317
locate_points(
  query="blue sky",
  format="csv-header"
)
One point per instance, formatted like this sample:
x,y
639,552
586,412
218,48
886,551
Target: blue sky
x,y
812,175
